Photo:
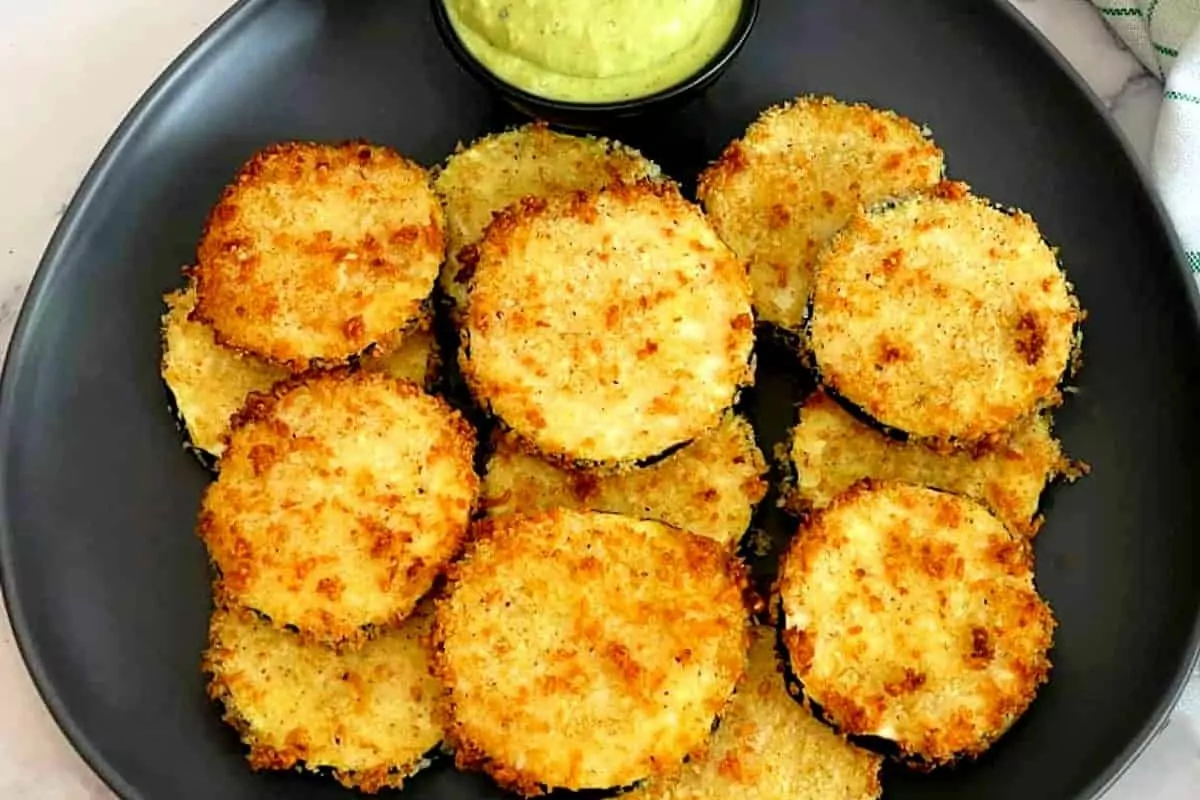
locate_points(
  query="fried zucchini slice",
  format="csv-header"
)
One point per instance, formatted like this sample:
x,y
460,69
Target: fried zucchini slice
x,y
315,252
796,177
943,317
368,716
585,650
340,499
210,383
501,168
910,614
770,747
607,327
710,487
831,451
415,359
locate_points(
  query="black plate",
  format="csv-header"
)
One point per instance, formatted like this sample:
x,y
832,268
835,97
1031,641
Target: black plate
x,y
107,585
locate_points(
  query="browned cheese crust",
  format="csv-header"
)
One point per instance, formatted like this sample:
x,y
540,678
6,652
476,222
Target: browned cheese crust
x,y
500,169
210,383
831,451
795,178
369,716
340,498
943,317
770,747
910,614
316,252
608,327
587,650
709,487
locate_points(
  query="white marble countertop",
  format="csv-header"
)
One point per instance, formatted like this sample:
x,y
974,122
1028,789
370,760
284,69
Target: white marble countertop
x,y
69,71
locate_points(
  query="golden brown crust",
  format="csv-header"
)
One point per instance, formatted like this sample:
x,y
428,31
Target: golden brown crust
x,y
341,498
770,747
943,317
710,487
797,175
586,650
607,327
369,716
209,382
911,615
831,451
501,168
316,252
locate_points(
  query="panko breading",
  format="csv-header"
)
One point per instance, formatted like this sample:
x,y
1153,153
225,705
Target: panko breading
x,y
831,451
210,383
796,177
607,327
709,487
369,716
316,252
910,614
943,317
500,169
587,650
770,747
340,499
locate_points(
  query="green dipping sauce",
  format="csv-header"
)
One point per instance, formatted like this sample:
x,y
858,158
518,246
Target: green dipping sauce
x,y
593,51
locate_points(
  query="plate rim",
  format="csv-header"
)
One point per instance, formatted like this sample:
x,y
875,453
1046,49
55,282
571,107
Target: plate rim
x,y
159,91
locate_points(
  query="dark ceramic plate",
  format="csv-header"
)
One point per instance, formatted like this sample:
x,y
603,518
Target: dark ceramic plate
x,y
107,585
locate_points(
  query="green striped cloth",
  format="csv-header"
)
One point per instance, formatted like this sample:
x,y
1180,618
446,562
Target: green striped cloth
x,y
1165,36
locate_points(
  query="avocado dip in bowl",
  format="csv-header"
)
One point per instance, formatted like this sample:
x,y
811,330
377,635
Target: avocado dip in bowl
x,y
576,62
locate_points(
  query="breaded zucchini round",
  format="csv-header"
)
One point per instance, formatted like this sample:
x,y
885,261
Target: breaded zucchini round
x,y
795,178
770,747
607,327
586,650
369,716
710,487
209,382
340,498
315,252
415,359
910,614
831,451
500,169
943,317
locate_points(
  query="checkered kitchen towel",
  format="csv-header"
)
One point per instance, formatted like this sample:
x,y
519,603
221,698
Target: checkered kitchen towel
x,y
1165,36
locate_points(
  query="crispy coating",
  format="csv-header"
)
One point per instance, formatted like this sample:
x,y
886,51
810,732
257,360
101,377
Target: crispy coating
x,y
709,487
210,383
369,716
587,650
501,168
832,451
340,499
316,252
910,614
607,327
943,317
795,178
770,747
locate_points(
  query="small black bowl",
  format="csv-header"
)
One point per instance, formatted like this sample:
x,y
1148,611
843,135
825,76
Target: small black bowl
x,y
593,115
